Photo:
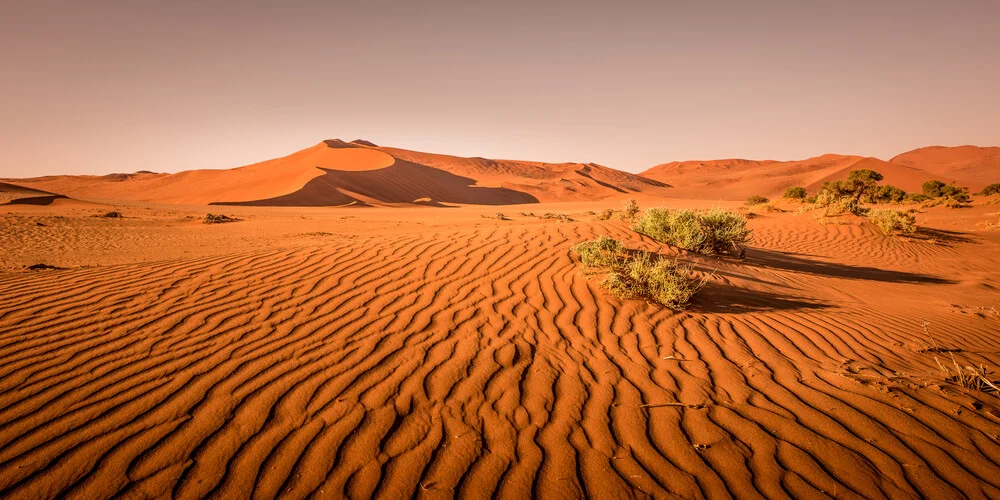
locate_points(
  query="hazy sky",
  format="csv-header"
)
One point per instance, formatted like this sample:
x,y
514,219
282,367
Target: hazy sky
x,y
103,86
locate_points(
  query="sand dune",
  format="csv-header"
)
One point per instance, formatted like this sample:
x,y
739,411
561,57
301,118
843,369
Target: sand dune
x,y
409,355
970,165
17,195
335,172
739,179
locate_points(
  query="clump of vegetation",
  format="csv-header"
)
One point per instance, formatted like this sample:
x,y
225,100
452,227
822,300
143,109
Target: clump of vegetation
x,y
795,193
114,214
602,252
630,209
917,198
968,377
605,214
847,195
886,194
639,274
710,232
950,195
219,219
757,200
991,189
558,217
893,221
645,275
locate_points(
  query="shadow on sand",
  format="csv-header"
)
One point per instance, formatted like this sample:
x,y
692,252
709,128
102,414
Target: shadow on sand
x,y
402,182
727,299
799,263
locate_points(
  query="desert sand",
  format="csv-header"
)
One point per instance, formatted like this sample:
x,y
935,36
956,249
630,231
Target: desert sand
x,y
409,342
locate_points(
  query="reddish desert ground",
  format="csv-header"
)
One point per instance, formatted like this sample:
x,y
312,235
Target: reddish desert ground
x,y
371,327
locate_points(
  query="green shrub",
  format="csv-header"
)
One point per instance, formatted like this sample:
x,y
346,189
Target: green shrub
x,y
836,204
757,200
709,232
846,196
938,189
886,194
893,221
663,281
602,252
917,198
605,214
991,189
796,193
630,208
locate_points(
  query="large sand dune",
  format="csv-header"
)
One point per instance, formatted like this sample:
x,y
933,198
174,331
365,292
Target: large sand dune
x,y
970,165
334,173
435,353
739,179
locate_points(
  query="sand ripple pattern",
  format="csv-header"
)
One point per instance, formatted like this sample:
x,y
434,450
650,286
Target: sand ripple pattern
x,y
482,362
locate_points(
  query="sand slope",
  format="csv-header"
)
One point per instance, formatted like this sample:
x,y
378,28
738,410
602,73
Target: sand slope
x,y
398,359
740,179
11,194
970,165
334,173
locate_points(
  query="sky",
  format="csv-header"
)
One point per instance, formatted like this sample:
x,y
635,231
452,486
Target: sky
x,y
119,86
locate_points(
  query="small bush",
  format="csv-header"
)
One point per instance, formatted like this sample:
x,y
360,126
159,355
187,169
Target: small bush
x,y
605,214
757,200
114,214
709,232
811,199
602,252
991,189
917,198
630,208
887,194
796,193
219,219
663,281
893,221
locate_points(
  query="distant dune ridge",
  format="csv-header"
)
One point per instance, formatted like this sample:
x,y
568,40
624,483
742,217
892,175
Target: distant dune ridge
x,y
732,179
337,173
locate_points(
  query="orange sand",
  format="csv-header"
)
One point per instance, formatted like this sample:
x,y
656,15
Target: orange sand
x,y
402,351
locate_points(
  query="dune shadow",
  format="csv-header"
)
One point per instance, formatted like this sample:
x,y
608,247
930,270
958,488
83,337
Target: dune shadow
x,y
37,200
799,263
401,182
721,298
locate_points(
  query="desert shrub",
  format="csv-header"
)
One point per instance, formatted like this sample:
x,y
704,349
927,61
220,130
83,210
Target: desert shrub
x,y
811,199
893,221
886,194
795,193
630,208
836,204
847,195
605,214
644,275
219,219
932,188
114,214
917,198
991,189
602,252
938,189
709,232
757,200
958,202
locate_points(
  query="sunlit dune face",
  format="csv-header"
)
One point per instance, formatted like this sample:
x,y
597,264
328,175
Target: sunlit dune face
x,y
350,159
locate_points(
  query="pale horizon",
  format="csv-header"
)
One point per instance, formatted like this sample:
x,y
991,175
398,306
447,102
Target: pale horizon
x,y
120,87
